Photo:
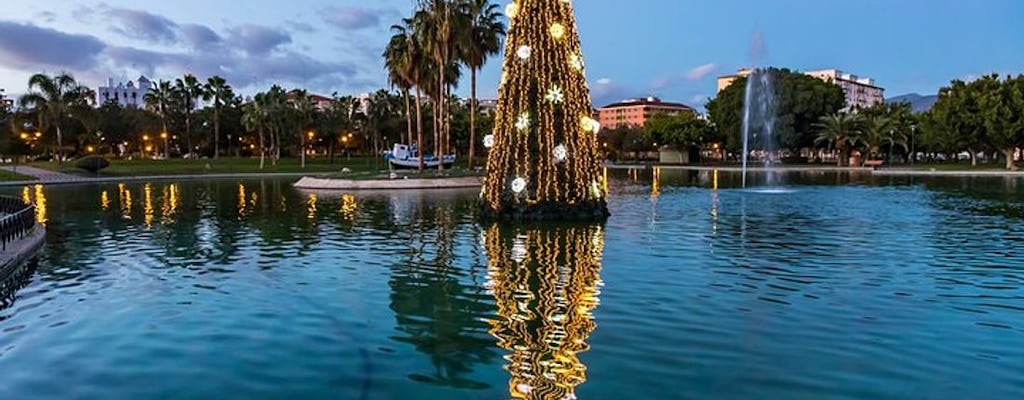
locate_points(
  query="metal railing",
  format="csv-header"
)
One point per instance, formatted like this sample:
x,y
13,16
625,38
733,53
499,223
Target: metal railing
x,y
18,222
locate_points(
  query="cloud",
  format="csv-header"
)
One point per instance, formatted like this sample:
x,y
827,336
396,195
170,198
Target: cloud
x,y
701,71
258,39
199,36
354,18
29,47
299,26
138,24
604,81
46,16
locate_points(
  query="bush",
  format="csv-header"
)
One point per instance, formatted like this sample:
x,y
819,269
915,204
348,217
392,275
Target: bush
x,y
92,163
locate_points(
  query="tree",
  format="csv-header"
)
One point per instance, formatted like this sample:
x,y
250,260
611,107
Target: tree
x,y
841,131
480,39
217,92
684,129
188,90
255,117
160,100
57,98
875,130
958,112
305,113
801,102
404,58
545,162
1001,103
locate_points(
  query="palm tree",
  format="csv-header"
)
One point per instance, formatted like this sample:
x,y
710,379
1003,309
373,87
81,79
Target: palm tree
x,y
55,99
188,90
159,100
436,21
217,92
304,113
255,118
875,130
480,40
398,61
841,130
278,115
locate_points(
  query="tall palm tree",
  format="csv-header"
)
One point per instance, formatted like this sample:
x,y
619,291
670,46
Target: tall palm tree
x,y
480,40
304,112
188,90
841,130
437,20
159,100
217,92
255,119
56,98
398,61
278,115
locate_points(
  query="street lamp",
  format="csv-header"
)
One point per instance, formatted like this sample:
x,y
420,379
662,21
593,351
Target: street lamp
x,y
913,151
167,147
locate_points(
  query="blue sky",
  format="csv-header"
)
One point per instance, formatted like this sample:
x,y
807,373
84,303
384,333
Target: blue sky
x,y
668,48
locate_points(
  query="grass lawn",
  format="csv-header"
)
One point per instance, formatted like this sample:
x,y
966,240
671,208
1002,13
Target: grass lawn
x,y
220,166
8,176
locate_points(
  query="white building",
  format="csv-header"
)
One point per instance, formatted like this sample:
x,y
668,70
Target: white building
x,y
126,94
860,92
6,103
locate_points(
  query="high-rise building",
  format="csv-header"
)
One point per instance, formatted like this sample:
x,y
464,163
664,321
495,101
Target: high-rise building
x,y
860,92
6,103
125,94
636,112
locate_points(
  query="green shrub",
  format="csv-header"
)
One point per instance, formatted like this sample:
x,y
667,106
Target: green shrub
x,y
92,163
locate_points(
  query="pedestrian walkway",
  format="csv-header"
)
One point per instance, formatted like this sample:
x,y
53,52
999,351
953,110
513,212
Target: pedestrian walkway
x,y
45,176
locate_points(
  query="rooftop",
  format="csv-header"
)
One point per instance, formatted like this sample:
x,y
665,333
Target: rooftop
x,y
649,101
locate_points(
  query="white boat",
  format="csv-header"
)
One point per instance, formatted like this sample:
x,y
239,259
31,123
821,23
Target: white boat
x,y
406,157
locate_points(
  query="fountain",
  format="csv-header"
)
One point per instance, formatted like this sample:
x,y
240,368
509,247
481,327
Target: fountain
x,y
758,118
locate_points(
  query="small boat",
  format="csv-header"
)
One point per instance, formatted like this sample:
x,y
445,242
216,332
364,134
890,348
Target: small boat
x,y
406,157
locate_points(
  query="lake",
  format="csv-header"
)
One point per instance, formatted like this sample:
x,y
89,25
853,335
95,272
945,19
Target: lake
x,y
807,286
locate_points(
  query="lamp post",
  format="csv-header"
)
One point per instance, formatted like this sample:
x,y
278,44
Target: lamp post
x,y
167,147
913,151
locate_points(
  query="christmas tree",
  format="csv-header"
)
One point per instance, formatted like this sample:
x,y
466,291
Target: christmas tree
x,y
546,286
544,159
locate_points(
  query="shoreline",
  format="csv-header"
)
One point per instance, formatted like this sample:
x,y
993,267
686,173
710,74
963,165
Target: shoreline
x,y
793,168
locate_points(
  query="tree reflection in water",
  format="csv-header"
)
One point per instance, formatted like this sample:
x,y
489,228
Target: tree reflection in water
x,y
546,284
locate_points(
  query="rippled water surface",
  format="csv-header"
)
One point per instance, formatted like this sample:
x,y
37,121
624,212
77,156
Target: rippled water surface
x,y
820,287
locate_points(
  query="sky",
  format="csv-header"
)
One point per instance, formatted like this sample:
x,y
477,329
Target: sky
x,y
672,49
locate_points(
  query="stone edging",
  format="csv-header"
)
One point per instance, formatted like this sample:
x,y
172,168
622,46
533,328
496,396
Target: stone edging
x,y
21,250
390,184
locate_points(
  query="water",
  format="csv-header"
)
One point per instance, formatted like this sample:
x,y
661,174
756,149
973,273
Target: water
x,y
759,119
880,288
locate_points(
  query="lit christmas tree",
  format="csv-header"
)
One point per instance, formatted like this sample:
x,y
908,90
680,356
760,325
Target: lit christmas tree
x,y
544,158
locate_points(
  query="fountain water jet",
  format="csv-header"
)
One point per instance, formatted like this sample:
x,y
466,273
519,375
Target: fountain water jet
x,y
758,118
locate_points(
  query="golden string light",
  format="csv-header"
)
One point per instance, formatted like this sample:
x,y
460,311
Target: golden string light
x,y
546,284
544,158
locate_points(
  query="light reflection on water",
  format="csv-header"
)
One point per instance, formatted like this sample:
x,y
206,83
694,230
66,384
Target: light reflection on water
x,y
876,289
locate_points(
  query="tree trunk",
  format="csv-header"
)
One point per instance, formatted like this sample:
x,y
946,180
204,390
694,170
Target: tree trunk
x,y
188,131
408,116
419,128
440,115
974,157
1009,153
472,116
216,131
302,149
263,149
330,152
60,145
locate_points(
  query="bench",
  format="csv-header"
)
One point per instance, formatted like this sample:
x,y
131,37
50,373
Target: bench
x,y
873,163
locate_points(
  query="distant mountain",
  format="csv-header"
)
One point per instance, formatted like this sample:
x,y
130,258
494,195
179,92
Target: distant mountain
x,y
917,102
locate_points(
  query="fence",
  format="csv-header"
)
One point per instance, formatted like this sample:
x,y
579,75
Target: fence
x,y
18,222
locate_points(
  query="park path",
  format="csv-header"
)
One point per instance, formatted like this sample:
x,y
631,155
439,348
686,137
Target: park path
x,y
45,176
